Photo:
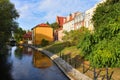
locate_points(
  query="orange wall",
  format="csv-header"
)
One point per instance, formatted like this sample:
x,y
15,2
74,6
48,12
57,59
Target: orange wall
x,y
42,33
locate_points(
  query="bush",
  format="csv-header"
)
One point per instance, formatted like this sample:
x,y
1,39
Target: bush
x,y
87,43
106,53
103,46
44,42
74,36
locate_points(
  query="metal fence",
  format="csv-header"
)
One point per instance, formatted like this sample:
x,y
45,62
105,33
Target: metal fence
x,y
79,62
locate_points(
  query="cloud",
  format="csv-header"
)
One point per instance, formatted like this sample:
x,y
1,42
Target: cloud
x,y
52,8
33,12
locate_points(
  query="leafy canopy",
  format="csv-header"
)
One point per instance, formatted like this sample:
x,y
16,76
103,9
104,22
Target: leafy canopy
x,y
103,45
8,15
55,25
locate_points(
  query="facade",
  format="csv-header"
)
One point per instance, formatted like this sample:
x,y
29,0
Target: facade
x,y
60,35
27,38
79,21
88,18
69,22
68,26
60,20
40,32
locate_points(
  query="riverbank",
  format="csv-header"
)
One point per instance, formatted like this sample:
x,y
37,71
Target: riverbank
x,y
73,56
68,70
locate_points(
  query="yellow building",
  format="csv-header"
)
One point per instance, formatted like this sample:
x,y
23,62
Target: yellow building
x,y
40,32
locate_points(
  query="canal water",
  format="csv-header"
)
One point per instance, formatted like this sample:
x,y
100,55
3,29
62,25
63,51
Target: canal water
x,y
19,63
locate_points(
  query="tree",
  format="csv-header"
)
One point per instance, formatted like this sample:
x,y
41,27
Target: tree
x,y
107,29
102,47
55,25
8,15
19,34
75,36
47,23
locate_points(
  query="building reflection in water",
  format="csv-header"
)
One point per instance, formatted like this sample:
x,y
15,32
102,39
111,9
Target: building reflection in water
x,y
40,60
27,50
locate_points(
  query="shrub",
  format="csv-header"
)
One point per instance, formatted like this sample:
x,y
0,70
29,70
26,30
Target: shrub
x,y
106,53
103,46
74,36
44,42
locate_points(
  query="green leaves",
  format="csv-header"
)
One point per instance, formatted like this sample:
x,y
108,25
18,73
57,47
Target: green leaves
x,y
102,47
54,25
108,53
106,14
74,37
86,43
18,33
8,14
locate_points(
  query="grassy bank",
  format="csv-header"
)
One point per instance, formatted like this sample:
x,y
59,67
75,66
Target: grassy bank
x,y
73,56
64,48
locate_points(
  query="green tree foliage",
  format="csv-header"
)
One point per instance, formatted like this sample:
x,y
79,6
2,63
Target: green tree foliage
x,y
8,14
47,23
54,25
103,46
107,25
86,44
44,42
106,53
19,32
75,36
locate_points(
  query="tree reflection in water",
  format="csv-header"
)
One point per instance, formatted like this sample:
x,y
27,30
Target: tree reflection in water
x,y
5,66
40,60
18,52
21,51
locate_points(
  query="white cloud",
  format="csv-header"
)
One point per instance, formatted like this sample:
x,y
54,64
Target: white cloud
x,y
63,7
38,11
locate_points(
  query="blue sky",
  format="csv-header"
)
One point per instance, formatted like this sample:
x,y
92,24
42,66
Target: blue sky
x,y
33,12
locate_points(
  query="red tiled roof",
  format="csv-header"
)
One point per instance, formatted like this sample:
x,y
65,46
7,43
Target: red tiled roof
x,y
71,17
27,35
60,20
43,25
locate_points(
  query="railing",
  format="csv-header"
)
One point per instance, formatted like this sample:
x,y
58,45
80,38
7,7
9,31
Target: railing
x,y
97,73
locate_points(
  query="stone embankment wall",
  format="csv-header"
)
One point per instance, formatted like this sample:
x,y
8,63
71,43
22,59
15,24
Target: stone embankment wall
x,y
68,70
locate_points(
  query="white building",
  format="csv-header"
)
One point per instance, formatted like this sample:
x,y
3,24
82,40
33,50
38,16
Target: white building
x,y
88,16
68,26
79,21
69,22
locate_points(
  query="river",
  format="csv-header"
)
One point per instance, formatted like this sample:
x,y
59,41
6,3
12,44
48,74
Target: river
x,y
20,63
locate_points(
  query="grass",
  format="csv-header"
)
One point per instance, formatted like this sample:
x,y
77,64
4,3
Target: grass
x,y
64,48
55,47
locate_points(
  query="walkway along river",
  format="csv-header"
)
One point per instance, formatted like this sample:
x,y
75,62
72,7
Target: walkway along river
x,y
19,63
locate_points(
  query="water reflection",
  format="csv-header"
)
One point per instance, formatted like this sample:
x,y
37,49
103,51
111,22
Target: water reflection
x,y
18,53
40,60
21,51
17,64
5,66
28,51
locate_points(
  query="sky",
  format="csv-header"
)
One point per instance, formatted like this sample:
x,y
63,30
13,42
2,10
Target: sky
x,y
34,12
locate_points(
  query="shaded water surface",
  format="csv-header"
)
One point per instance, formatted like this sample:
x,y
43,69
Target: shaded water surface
x,y
20,63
